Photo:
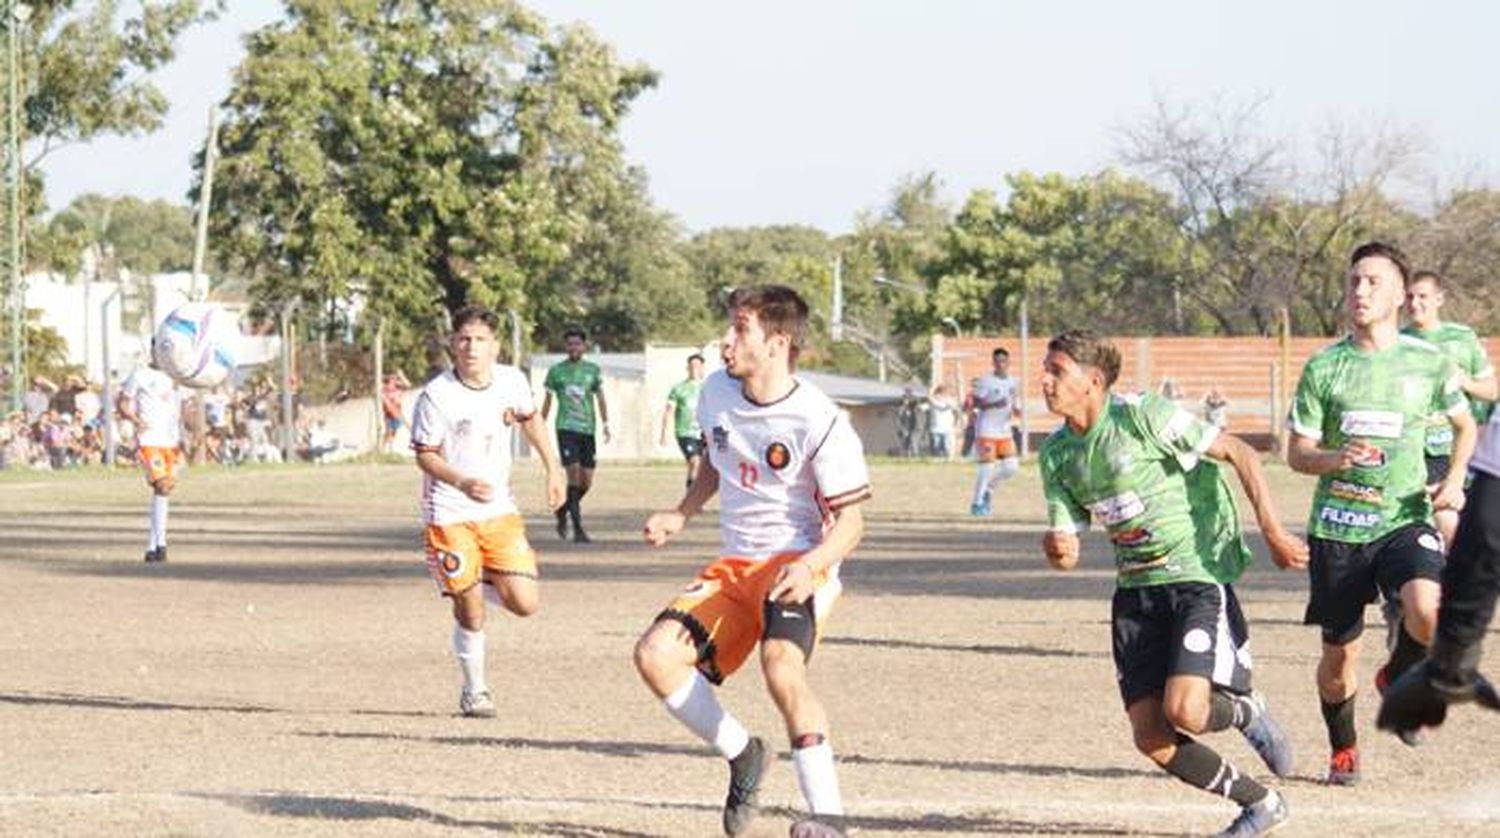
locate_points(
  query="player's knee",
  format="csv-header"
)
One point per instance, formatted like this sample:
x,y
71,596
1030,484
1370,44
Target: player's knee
x,y
1155,743
1185,714
1007,468
784,665
659,653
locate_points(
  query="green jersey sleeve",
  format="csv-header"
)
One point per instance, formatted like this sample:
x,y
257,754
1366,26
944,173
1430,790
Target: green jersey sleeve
x,y
1172,429
1307,415
1064,512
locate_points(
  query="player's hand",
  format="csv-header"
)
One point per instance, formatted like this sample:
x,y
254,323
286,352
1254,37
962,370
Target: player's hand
x,y
1061,548
795,582
1288,551
1357,452
1448,494
607,436
476,489
557,489
663,525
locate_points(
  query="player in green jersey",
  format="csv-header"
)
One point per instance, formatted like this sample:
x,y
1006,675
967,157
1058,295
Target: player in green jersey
x,y
1424,303
576,384
1148,471
681,415
1359,422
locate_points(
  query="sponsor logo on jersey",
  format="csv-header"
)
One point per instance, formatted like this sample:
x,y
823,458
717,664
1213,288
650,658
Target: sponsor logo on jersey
x,y
1377,424
1118,509
1348,517
1344,490
1133,537
778,456
1374,457
721,439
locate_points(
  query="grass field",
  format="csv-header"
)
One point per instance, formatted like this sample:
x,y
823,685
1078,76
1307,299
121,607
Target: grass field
x,y
287,672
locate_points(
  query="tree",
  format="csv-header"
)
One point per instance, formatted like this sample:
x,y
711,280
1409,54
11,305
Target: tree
x,y
88,69
144,237
424,155
1461,241
1260,232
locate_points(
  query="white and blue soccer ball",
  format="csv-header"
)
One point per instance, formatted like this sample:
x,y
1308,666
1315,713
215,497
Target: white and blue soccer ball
x,y
197,344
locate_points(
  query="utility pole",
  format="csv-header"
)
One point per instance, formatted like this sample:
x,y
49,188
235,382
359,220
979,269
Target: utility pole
x,y
15,16
836,315
205,192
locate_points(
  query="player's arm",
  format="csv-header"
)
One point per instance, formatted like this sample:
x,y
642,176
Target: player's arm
x,y
546,405
603,409
661,526
1450,493
431,462
125,405
667,416
1066,518
1306,456
797,580
534,428
1485,388
1287,550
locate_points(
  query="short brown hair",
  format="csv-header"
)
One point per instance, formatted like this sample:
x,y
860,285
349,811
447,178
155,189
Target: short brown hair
x,y
1088,349
1385,251
1426,276
476,314
780,310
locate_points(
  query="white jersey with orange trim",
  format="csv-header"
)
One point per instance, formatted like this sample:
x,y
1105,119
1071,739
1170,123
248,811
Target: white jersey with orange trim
x,y
1000,393
153,397
472,430
782,466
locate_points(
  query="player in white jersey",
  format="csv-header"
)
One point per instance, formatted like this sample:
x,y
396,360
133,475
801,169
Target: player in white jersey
x,y
149,399
1471,584
993,401
462,431
790,473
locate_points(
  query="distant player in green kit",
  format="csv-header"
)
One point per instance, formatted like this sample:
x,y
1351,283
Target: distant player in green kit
x,y
576,384
1145,469
681,416
1359,422
1424,302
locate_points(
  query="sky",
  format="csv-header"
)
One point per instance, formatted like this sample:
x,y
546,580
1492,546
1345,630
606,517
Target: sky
x,y
799,112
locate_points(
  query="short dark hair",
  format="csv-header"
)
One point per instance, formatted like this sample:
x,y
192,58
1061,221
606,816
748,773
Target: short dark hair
x,y
575,332
1426,276
999,351
472,313
1385,251
1088,349
780,310
695,357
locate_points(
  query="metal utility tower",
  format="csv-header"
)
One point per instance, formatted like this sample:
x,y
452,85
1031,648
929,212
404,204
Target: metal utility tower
x,y
13,17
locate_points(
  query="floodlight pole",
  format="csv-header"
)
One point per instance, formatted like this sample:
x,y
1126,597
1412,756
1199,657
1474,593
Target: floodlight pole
x,y
15,14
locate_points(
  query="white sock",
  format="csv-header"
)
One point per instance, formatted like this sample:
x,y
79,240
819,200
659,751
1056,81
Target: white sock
x,y
158,521
982,482
1001,471
817,779
468,647
695,705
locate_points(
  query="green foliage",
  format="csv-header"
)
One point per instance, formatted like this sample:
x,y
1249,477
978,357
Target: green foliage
x,y
428,156
46,350
145,237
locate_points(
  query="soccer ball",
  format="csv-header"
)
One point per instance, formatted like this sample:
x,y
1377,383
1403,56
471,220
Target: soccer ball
x,y
197,345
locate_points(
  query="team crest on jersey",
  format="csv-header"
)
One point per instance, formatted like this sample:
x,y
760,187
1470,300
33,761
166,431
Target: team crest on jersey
x,y
721,439
462,428
778,456
508,417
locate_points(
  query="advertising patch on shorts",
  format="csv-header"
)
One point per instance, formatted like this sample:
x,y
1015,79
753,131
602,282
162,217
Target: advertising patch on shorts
x,y
1197,641
1431,542
451,563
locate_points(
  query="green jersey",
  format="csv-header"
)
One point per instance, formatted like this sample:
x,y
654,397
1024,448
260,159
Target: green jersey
x,y
573,384
684,400
1462,346
1382,398
1140,472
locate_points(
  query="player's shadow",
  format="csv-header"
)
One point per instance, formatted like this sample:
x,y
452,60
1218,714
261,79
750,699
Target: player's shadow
x,y
321,808
633,750
1003,650
942,824
113,702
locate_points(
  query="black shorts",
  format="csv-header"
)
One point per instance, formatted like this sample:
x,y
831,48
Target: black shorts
x,y
1182,628
1437,468
575,449
1345,577
690,446
1471,577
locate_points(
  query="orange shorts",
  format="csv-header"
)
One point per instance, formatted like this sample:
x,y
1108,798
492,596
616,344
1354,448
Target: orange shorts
x,y
988,449
724,609
459,554
159,462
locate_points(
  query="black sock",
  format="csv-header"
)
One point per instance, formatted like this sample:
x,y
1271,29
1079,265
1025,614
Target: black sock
x,y
1198,765
1408,653
574,495
1339,716
1226,710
